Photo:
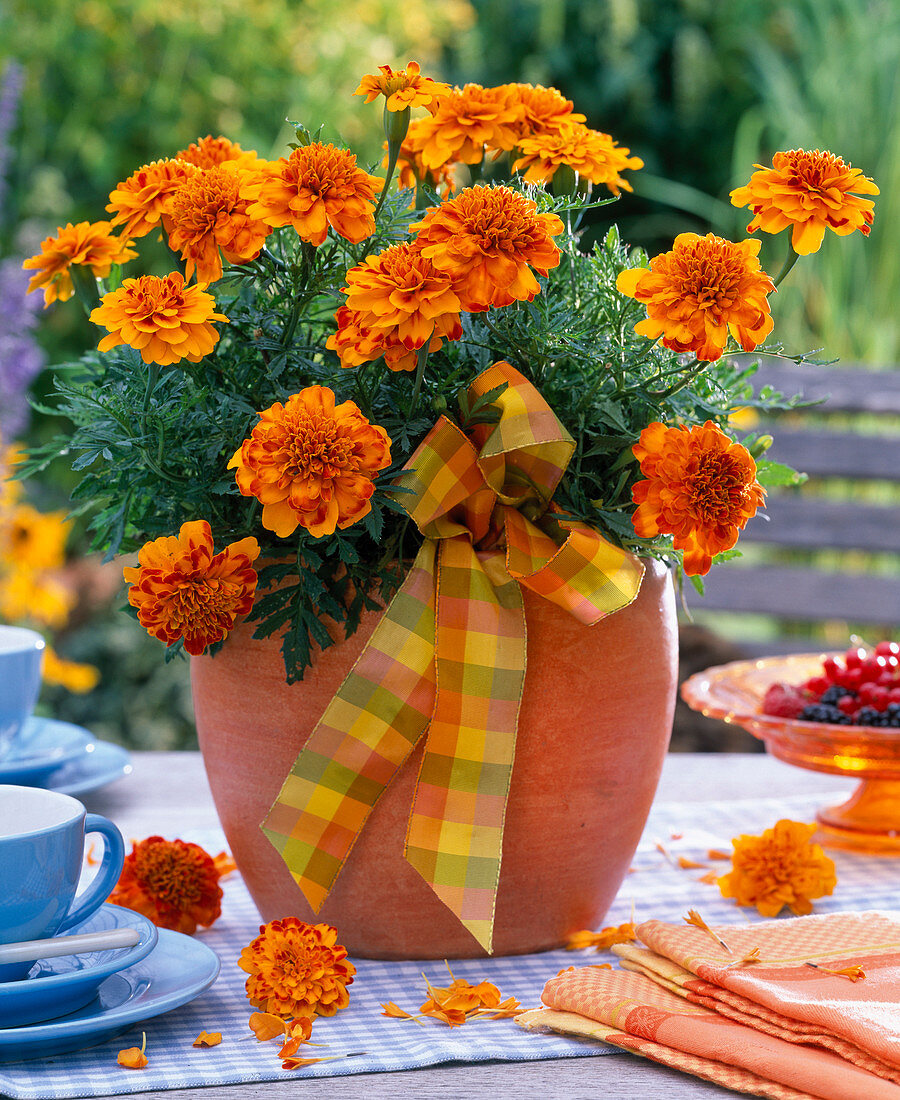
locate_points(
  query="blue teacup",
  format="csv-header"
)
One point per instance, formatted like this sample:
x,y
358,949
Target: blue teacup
x,y
21,654
41,857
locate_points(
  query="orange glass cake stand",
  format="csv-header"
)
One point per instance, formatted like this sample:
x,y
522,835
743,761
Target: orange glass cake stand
x,y
870,820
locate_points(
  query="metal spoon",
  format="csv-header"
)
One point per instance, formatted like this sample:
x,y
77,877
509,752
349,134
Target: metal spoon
x,y
31,950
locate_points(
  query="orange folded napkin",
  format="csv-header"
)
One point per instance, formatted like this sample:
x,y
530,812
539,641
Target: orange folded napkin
x,y
775,1027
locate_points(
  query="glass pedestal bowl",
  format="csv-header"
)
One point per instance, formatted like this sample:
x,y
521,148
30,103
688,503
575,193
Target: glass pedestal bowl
x,y
870,820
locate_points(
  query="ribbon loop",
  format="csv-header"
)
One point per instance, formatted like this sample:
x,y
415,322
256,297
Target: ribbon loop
x,y
449,655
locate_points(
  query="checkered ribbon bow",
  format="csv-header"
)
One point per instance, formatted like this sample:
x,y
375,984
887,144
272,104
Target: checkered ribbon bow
x,y
448,656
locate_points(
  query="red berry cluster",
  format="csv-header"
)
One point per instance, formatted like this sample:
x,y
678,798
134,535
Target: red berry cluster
x,y
863,689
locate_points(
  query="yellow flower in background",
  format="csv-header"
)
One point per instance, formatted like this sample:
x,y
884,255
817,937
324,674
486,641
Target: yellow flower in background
x,y
91,244
163,319
809,192
32,540
783,867
592,154
73,676
402,88
27,597
703,290
139,202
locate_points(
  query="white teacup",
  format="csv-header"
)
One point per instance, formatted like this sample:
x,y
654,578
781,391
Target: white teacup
x,y
21,655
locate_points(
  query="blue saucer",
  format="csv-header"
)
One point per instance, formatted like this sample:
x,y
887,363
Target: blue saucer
x,y
176,971
56,987
43,746
101,762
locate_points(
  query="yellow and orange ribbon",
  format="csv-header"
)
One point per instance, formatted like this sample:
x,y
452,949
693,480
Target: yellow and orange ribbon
x,y
448,656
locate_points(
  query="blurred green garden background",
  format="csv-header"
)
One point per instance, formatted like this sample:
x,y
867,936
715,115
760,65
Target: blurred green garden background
x,y
699,89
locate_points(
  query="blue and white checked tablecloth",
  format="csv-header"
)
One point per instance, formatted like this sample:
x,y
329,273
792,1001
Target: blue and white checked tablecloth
x,y
656,888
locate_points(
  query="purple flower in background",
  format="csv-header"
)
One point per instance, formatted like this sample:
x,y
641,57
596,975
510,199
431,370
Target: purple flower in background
x,y
20,357
10,92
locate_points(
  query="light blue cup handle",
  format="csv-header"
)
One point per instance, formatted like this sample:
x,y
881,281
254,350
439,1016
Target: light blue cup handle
x,y
107,876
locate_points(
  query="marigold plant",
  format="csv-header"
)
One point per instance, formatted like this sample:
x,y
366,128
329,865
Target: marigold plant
x,y
322,314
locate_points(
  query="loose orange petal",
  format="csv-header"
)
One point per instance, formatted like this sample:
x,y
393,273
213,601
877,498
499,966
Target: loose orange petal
x,y
396,1012
752,956
266,1025
90,859
602,940
676,836
224,864
854,973
709,879
717,853
208,1039
299,1063
688,864
697,921
134,1057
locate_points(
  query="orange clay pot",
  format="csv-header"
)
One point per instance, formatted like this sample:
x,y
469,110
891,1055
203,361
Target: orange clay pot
x,y
593,732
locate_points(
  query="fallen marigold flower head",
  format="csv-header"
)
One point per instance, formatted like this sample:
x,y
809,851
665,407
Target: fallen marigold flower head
x,y
173,883
700,487
808,192
593,155
488,239
181,589
699,292
297,969
208,218
311,463
402,88
162,318
138,203
88,244
134,1057
783,867
316,186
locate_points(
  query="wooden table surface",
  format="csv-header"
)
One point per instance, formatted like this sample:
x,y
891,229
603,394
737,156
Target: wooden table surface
x,y
165,782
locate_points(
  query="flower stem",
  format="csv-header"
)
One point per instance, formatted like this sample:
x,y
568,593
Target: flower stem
x,y
792,258
421,359
393,154
692,372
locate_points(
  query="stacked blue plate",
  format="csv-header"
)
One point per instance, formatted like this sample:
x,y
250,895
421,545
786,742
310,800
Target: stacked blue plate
x,y
75,1001
62,757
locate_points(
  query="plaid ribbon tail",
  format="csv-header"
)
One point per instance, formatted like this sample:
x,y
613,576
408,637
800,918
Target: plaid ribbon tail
x,y
366,733
455,834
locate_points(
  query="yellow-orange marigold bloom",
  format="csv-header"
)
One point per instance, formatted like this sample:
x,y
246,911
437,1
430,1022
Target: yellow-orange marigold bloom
x,y
541,110
357,344
400,294
316,186
162,318
411,170
173,883
91,244
703,289
783,867
181,589
700,487
592,154
140,201
311,463
210,152
402,88
467,121
297,969
810,191
488,239
208,214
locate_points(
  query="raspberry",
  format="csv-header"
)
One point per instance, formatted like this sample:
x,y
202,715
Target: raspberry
x,y
784,701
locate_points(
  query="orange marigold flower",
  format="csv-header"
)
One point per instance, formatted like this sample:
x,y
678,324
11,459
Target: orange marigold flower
x,y
400,295
182,590
311,463
297,969
411,170
357,344
703,289
207,214
783,867
91,244
467,121
593,155
141,200
316,186
161,318
810,191
700,487
540,110
210,152
172,883
402,88
488,239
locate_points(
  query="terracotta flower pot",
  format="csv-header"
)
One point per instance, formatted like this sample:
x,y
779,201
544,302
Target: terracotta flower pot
x,y
593,732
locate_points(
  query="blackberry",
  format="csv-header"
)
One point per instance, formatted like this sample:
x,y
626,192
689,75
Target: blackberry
x,y
835,693
824,712
867,716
